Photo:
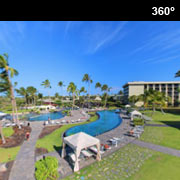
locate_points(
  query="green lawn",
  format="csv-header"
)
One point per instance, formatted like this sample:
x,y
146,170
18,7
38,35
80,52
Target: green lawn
x,y
54,140
19,111
165,136
8,154
117,166
8,131
158,117
113,107
159,167
131,163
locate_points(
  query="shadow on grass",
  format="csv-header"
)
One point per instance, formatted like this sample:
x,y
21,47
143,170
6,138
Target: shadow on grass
x,y
174,124
67,150
58,149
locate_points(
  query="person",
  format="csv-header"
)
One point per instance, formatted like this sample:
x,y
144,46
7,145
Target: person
x,y
49,120
27,136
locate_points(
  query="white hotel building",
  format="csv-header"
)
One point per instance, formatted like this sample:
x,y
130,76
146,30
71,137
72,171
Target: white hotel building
x,y
170,88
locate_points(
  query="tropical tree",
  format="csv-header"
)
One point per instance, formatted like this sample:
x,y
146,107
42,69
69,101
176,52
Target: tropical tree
x,y
6,74
23,92
177,74
61,85
46,84
106,89
40,96
155,99
1,133
87,79
72,89
120,92
83,90
32,93
56,95
133,99
145,98
98,85
82,98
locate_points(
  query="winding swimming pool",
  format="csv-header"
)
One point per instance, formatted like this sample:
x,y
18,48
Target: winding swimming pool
x,y
44,117
107,121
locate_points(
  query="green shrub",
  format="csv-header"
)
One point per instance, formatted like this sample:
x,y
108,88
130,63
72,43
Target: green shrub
x,y
138,121
52,110
46,169
66,112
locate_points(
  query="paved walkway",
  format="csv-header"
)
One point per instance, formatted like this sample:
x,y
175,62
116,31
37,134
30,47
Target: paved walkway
x,y
154,147
23,167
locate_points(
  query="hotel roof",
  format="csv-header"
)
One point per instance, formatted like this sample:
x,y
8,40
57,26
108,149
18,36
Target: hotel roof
x,y
151,82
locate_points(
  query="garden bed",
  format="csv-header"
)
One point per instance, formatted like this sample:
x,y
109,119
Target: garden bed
x,y
48,130
40,151
17,138
5,175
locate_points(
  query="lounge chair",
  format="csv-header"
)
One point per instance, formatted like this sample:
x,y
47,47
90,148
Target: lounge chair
x,y
52,122
46,122
94,149
63,121
114,142
57,122
87,154
8,124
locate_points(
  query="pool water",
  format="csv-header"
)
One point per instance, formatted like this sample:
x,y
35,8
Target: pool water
x,y
107,121
44,117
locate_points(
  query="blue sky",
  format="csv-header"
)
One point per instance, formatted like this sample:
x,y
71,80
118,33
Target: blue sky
x,y
112,53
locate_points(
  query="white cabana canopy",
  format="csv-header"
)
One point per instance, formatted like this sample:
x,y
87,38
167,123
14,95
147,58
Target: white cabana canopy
x,y
127,105
136,113
78,142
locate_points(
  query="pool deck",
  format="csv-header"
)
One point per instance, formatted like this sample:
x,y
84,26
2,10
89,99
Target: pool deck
x,y
75,115
65,168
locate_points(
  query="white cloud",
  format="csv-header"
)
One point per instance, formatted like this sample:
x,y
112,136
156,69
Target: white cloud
x,y
110,37
101,35
11,33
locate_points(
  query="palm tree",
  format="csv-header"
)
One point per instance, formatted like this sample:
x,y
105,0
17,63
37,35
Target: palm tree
x,y
1,133
23,92
133,99
6,69
56,95
87,79
46,84
72,89
177,74
98,85
106,89
82,90
32,93
61,84
40,96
